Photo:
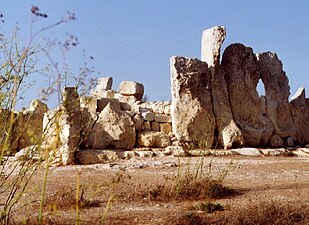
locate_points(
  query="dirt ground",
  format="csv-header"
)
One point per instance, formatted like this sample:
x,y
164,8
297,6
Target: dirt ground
x,y
122,192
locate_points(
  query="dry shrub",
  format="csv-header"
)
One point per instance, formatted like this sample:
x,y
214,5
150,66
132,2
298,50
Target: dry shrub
x,y
258,213
65,198
190,188
269,213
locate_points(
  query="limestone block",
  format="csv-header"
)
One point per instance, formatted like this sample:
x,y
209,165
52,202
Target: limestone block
x,y
246,151
155,126
147,125
88,119
300,113
132,88
104,83
161,118
276,141
166,128
148,116
114,129
192,110
108,94
242,75
94,156
212,40
89,103
277,92
103,102
28,128
51,128
138,122
158,107
153,139
167,109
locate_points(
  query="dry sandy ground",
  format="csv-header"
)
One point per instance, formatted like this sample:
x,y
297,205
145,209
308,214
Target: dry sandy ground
x,y
129,182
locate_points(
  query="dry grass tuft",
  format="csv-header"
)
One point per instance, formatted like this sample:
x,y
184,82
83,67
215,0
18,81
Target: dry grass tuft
x,y
269,213
65,199
190,188
258,213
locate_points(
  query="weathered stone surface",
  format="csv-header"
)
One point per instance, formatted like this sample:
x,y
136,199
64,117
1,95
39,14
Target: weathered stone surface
x,y
242,76
138,122
155,126
246,151
153,139
89,102
166,127
102,103
263,105
228,132
212,40
113,129
148,116
147,125
28,128
276,141
27,153
62,128
161,118
290,142
132,88
51,127
300,112
192,114
93,156
104,84
277,92
167,110
70,125
6,118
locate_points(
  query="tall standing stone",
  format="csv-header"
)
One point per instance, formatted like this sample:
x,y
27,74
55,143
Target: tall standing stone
x,y
228,132
242,76
300,112
212,40
192,112
277,92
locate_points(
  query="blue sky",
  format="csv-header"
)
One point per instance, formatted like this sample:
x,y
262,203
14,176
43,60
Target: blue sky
x,y
134,39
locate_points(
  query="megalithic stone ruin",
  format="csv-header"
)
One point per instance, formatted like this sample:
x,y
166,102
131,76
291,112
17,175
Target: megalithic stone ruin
x,y
228,132
215,104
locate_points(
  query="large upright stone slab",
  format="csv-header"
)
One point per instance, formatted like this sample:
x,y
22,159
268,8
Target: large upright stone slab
x,y
62,128
228,132
242,76
192,111
300,112
70,124
277,92
212,40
